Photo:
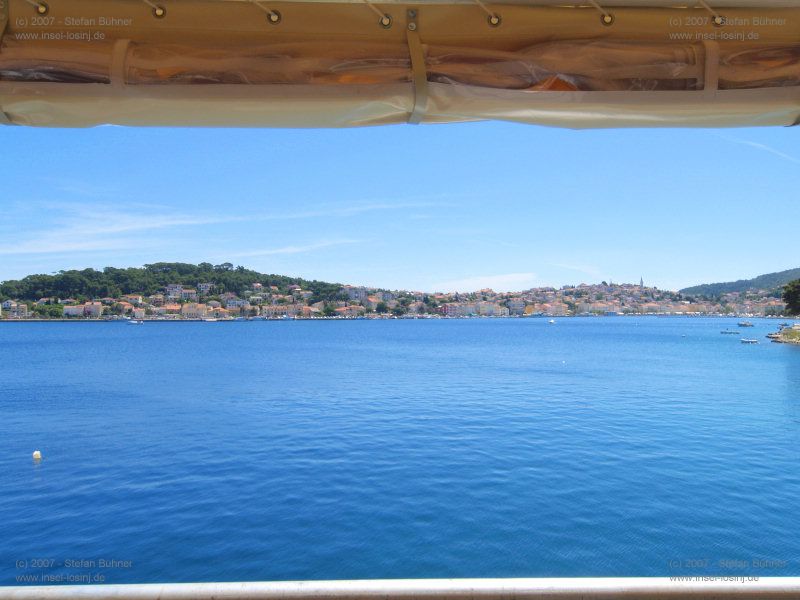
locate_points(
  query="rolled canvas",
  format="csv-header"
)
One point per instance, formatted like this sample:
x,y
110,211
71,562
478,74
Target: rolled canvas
x,y
332,64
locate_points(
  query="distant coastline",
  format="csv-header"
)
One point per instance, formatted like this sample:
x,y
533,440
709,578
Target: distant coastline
x,y
206,292
400,318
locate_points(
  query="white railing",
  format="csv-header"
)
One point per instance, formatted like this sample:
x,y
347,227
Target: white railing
x,y
695,588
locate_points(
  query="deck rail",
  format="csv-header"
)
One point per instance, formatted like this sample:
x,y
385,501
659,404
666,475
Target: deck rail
x,y
635,588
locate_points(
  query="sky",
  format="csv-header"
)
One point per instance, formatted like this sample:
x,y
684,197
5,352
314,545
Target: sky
x,y
430,207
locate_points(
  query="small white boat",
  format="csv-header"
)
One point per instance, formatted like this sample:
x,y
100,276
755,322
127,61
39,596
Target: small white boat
x,y
135,322
745,324
552,321
748,341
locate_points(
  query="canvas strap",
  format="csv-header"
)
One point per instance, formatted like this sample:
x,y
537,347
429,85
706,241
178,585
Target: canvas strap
x,y
711,74
3,17
419,77
118,56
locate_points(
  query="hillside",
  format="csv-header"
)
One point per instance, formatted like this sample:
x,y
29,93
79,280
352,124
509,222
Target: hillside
x,y
770,281
112,282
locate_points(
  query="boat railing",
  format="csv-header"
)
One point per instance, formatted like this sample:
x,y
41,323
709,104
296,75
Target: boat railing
x,y
695,588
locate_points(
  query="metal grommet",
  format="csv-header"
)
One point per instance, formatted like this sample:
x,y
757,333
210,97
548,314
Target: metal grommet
x,y
495,20
42,8
274,17
412,26
607,19
159,12
718,21
385,21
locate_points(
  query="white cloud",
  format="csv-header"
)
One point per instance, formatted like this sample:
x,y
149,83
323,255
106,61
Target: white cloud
x,y
509,282
84,227
346,211
764,148
81,229
592,272
295,249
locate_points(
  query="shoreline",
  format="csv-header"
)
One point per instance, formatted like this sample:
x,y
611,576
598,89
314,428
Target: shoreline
x,y
788,336
404,318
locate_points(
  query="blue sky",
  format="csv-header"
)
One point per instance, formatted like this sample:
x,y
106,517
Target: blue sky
x,y
450,207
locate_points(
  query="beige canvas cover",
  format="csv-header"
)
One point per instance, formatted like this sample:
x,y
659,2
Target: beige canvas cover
x,y
353,63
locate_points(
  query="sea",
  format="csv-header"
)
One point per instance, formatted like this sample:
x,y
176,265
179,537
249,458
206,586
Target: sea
x,y
363,449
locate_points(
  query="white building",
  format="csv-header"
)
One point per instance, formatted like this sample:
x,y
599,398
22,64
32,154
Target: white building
x,y
15,310
192,310
516,306
73,311
173,291
93,310
359,294
237,303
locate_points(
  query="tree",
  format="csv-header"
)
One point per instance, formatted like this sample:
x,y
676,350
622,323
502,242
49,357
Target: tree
x,y
382,307
49,311
791,295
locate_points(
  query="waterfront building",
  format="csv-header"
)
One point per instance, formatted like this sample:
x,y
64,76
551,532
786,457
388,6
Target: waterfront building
x,y
93,310
193,310
73,311
516,306
16,310
353,310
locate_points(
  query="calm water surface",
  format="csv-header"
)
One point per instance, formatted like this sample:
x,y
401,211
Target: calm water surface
x,y
392,449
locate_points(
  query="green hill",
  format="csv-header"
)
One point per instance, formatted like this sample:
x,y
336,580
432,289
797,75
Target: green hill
x,y
112,282
770,281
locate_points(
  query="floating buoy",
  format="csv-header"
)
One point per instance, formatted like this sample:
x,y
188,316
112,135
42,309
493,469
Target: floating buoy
x,y
37,455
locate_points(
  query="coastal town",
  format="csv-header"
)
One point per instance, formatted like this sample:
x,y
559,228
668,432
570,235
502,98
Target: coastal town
x,y
208,300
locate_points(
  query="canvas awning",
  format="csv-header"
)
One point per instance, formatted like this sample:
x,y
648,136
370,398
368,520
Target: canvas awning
x,y
353,63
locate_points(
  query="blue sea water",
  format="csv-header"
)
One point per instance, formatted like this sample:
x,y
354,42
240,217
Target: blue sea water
x,y
394,449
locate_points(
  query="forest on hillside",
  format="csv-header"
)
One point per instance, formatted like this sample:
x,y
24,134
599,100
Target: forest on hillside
x,y
149,279
771,281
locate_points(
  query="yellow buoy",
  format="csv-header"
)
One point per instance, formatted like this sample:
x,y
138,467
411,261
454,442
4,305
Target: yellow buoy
x,y
37,455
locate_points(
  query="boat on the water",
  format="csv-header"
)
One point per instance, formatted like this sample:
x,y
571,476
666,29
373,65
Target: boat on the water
x,y
729,332
745,324
749,341
135,322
